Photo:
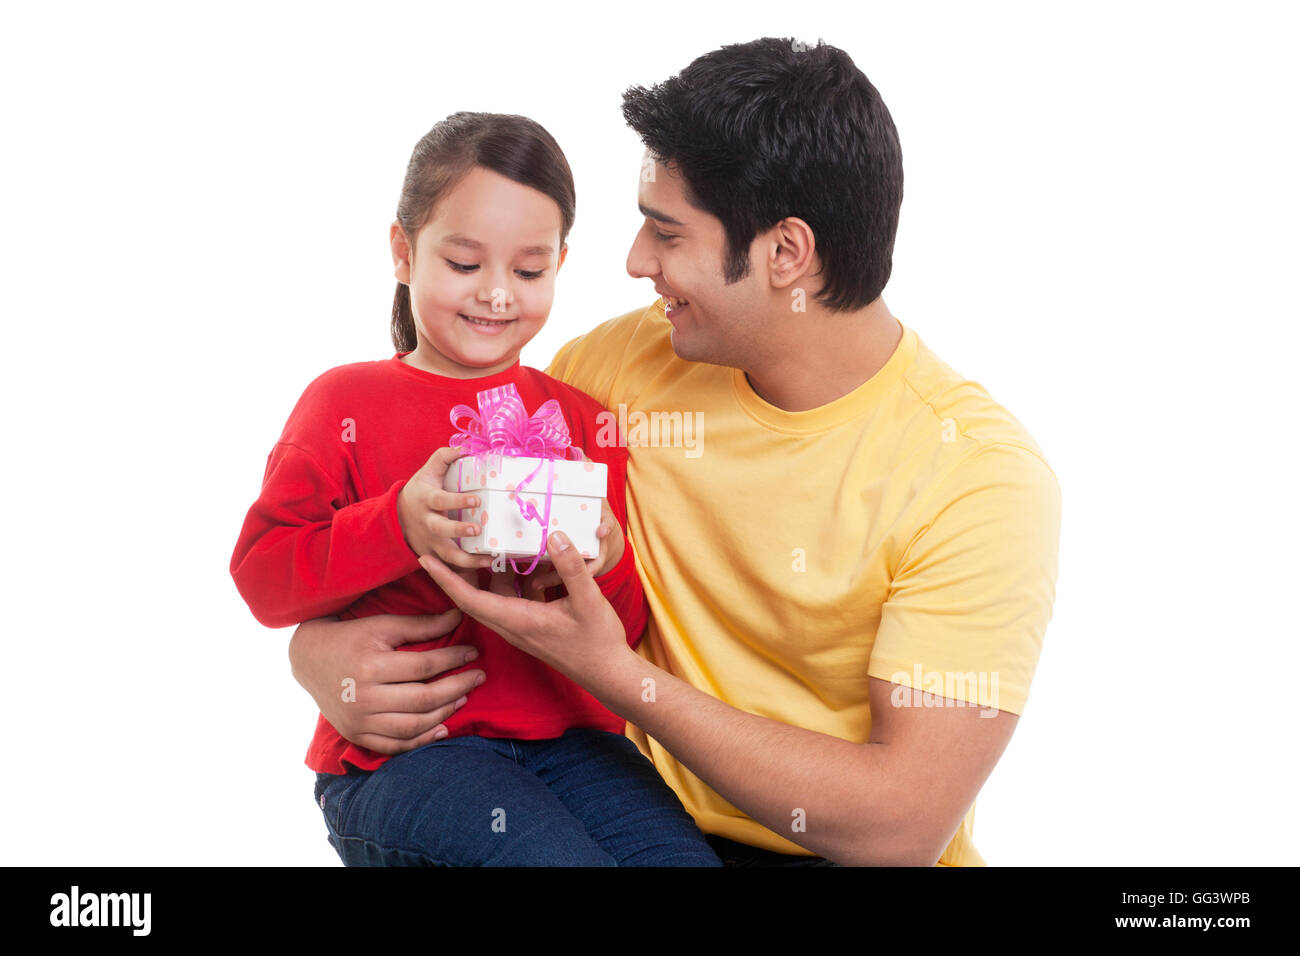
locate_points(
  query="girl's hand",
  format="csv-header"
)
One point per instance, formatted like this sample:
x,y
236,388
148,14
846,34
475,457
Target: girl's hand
x,y
420,510
612,545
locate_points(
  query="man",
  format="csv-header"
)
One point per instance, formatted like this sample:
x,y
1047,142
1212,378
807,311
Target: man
x,y
852,569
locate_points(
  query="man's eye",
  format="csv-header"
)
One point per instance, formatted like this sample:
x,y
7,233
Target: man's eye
x,y
461,266
663,236
525,274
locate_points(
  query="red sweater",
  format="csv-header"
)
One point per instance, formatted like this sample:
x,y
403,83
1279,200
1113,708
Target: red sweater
x,y
324,538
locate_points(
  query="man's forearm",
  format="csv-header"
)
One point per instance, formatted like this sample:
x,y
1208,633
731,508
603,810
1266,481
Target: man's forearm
x,y
853,811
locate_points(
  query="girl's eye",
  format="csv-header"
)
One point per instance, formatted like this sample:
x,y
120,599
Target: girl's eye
x,y
525,274
461,267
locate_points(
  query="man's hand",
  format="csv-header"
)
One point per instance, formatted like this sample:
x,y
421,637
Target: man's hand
x,y
387,708
612,544
579,635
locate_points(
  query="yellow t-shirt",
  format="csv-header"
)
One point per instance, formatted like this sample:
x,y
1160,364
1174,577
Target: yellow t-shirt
x,y
907,531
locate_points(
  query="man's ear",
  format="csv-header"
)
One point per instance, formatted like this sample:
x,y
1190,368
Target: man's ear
x,y
792,254
401,252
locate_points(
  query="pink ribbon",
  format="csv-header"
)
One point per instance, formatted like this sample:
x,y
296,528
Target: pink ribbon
x,y
502,426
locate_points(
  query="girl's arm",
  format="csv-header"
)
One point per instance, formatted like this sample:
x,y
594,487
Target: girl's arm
x,y
620,584
622,588
305,552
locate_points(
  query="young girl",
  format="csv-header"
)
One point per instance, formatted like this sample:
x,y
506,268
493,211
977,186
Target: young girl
x,y
534,770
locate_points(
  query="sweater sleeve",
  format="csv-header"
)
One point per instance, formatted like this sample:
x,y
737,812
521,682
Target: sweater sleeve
x,y
305,551
622,589
621,584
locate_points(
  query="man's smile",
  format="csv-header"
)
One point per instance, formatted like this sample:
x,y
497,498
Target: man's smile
x,y
673,304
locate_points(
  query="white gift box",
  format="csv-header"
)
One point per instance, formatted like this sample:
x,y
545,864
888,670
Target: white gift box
x,y
577,490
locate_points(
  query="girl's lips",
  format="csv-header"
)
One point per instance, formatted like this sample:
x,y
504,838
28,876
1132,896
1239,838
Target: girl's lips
x,y
485,326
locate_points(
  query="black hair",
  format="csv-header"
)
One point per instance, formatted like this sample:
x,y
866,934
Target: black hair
x,y
773,128
514,146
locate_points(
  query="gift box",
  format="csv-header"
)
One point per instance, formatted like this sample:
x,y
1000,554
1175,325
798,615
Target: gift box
x,y
529,478
516,523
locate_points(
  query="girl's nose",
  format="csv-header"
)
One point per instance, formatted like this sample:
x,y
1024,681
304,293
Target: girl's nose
x,y
499,298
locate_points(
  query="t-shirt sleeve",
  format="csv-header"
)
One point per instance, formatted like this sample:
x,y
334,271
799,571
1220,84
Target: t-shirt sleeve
x,y
969,603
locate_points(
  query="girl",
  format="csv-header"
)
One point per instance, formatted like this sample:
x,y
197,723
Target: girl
x,y
534,770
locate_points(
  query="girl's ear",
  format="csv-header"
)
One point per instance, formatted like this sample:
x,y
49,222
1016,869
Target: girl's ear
x,y
564,251
401,252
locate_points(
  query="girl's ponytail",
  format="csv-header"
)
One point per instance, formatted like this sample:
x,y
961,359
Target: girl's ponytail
x,y
512,146
403,327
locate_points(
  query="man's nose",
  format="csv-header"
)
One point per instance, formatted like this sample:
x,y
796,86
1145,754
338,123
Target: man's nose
x,y
641,264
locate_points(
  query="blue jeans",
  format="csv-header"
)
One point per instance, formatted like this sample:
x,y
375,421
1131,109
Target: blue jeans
x,y
588,798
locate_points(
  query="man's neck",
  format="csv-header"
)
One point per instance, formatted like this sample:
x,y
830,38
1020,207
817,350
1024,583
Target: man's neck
x,y
820,356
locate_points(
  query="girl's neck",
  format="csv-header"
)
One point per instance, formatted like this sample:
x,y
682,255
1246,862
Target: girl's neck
x,y
434,362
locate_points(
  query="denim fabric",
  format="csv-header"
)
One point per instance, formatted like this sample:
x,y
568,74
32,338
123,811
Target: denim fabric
x,y
588,798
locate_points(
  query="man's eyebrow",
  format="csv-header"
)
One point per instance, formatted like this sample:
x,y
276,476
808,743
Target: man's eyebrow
x,y
458,240
658,216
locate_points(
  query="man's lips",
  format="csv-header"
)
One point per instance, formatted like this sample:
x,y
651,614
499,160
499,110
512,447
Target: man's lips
x,y
673,303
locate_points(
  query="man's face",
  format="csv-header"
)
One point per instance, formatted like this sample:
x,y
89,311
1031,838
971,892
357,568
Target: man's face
x,y
681,249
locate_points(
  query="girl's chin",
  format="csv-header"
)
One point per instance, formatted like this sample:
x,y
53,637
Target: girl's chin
x,y
486,362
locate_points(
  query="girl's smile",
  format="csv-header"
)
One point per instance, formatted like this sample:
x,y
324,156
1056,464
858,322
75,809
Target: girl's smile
x,y
486,326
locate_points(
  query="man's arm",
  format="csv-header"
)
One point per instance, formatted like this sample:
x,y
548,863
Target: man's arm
x,y
895,800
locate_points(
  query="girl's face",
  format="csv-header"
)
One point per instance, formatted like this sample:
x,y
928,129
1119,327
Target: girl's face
x,y
482,276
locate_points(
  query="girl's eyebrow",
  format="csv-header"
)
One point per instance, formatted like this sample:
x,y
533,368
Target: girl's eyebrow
x,y
458,240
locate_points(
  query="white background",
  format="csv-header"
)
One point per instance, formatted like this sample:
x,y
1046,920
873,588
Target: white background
x,y
1098,226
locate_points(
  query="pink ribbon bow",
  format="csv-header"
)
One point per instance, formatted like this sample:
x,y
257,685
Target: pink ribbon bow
x,y
502,426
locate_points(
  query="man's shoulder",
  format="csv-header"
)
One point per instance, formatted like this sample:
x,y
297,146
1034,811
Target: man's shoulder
x,y
641,325
598,360
569,397
962,413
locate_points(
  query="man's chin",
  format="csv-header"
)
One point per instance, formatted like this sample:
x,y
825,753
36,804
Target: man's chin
x,y
688,350
680,348
691,350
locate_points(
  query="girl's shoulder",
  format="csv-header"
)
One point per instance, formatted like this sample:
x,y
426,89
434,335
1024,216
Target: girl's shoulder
x,y
591,425
562,392
354,374
349,380
344,390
